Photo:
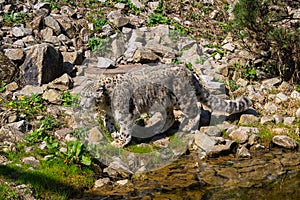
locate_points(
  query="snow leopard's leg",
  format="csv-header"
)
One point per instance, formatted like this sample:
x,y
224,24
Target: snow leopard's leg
x,y
185,93
121,106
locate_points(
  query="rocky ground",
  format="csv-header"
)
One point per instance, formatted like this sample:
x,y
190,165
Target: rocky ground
x,y
51,50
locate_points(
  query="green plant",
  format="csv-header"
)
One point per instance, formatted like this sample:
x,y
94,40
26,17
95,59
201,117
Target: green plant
x,y
274,38
98,44
297,87
2,87
76,154
201,60
12,17
99,23
69,100
176,61
190,66
248,72
28,106
157,19
233,85
129,5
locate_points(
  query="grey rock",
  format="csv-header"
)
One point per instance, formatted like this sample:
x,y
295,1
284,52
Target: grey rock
x,y
74,58
15,54
161,142
253,139
94,136
53,96
247,119
266,119
66,10
13,86
120,5
243,152
289,120
118,168
31,161
63,83
295,95
101,182
27,90
43,64
8,70
105,63
41,5
239,136
61,133
138,4
229,46
107,30
284,141
214,131
224,148
46,33
143,55
117,18
52,23
271,82
53,40
278,118
203,141
213,85
29,40
153,5
192,55
280,97
19,126
270,108
20,31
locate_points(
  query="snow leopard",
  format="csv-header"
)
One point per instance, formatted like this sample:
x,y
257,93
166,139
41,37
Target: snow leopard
x,y
155,89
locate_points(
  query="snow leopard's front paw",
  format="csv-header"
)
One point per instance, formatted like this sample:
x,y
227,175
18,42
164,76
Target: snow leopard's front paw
x,y
120,139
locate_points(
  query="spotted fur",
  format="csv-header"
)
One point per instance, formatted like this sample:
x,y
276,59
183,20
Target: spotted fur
x,y
155,89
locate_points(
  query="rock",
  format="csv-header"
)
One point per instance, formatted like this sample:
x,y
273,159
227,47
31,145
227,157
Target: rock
x,y
118,168
247,119
211,131
51,22
203,141
43,64
11,87
278,118
70,138
280,97
94,136
271,82
284,141
63,83
53,96
138,4
8,70
66,10
270,108
101,182
297,114
31,161
28,90
229,46
122,182
266,119
295,95
243,152
289,120
253,139
19,126
240,136
53,40
143,55
105,63
15,54
223,149
20,31
117,18
161,142
61,133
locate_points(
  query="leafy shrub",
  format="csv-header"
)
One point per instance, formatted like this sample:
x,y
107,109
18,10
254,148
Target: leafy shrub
x,y
271,32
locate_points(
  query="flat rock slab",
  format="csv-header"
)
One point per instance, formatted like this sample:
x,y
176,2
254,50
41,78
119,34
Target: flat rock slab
x,y
122,69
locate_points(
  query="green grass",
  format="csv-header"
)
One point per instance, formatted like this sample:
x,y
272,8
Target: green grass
x,y
140,148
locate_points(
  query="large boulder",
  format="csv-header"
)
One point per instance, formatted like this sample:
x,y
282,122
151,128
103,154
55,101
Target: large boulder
x,y
7,69
42,65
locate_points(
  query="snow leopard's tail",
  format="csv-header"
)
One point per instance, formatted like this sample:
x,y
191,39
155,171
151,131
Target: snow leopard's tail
x,y
229,106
